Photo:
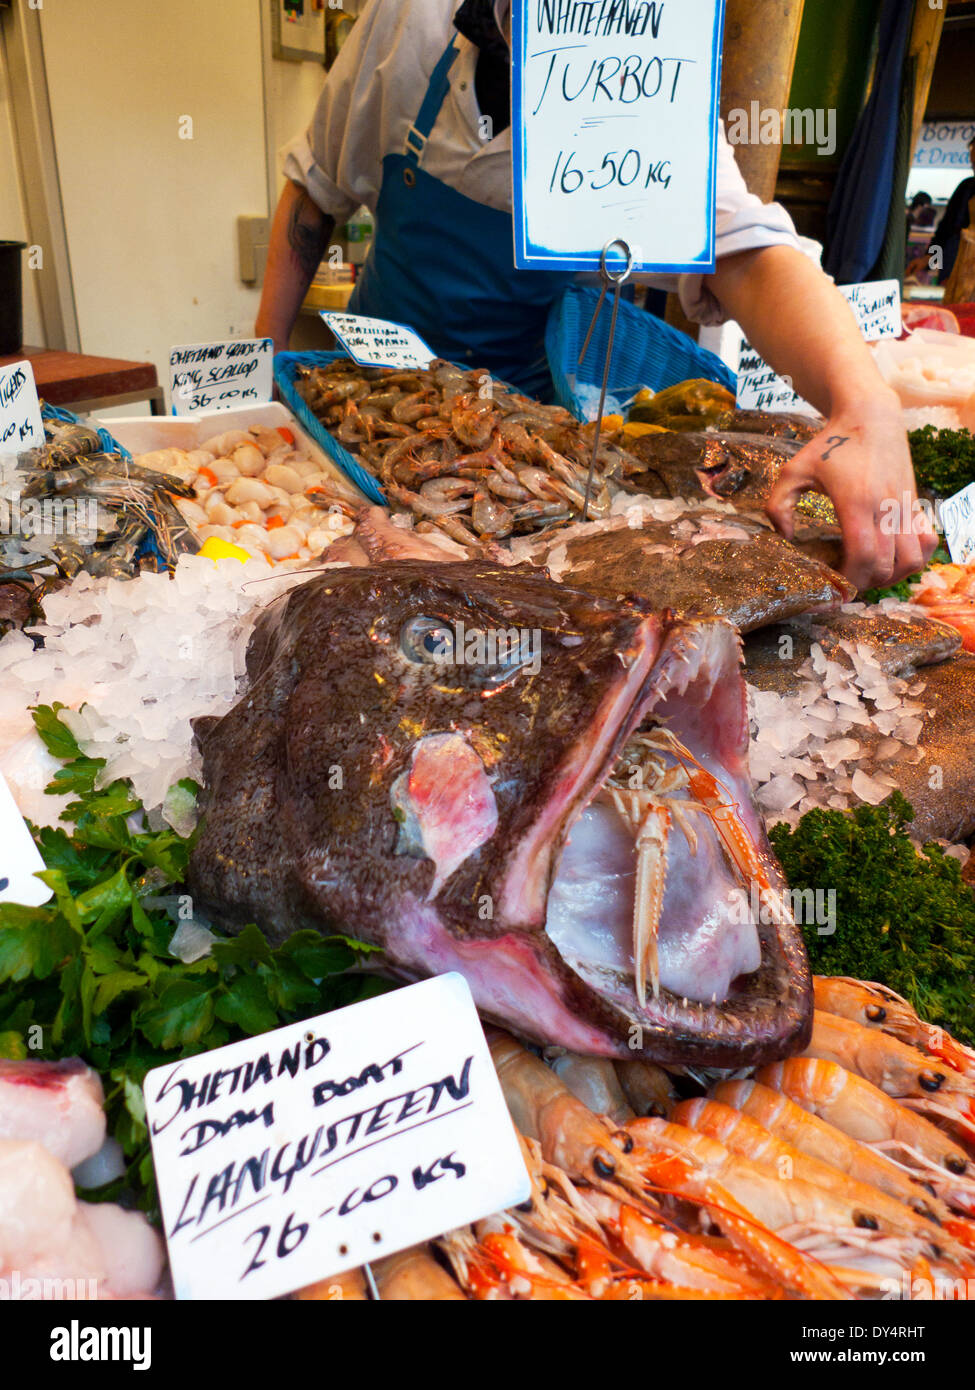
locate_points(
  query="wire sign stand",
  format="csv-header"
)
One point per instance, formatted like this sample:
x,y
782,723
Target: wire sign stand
x,y
615,280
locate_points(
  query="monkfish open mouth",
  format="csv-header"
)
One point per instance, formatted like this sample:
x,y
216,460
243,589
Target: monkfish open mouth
x,y
660,891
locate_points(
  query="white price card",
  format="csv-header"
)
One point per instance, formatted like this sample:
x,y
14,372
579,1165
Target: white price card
x,y
877,306
615,130
20,858
299,1154
221,376
21,426
378,342
957,517
759,388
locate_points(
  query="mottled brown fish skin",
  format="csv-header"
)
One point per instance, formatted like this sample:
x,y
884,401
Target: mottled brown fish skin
x,y
752,579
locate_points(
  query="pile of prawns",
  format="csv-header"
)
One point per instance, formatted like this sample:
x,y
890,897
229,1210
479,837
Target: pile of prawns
x,y
845,1173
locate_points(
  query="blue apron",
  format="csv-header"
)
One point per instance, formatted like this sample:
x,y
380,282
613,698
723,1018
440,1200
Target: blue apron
x,y
444,265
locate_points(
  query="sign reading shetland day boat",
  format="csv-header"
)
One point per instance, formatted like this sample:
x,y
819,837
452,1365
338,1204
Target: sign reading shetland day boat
x,y
615,131
301,1153
221,376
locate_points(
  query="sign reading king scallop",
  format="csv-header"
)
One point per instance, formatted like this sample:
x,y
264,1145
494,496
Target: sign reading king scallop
x,y
615,132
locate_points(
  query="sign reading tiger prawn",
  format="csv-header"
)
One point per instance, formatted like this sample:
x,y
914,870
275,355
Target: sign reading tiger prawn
x,y
615,125
301,1153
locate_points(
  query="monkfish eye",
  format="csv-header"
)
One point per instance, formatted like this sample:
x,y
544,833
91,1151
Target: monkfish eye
x,y
427,640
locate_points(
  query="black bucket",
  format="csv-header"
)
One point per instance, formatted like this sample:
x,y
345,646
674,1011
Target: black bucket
x,y
11,299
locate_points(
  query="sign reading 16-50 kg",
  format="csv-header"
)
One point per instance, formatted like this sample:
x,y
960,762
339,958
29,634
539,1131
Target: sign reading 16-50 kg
x,y
615,131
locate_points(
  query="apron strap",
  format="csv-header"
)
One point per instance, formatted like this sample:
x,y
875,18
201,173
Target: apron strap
x,y
419,131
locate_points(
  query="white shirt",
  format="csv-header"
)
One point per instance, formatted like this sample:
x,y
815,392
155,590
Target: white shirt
x,y
372,96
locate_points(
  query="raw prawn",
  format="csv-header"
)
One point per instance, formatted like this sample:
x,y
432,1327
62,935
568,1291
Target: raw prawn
x,y
543,1108
865,1113
876,1006
893,1066
740,1198
744,1136
826,1143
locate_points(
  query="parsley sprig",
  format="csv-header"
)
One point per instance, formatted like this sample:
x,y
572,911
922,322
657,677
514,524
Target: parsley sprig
x,y
91,974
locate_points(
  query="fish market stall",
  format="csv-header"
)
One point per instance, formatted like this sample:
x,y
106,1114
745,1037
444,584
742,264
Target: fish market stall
x,y
277,763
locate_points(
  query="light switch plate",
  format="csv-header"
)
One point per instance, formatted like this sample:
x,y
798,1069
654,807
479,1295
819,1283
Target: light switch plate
x,y
253,238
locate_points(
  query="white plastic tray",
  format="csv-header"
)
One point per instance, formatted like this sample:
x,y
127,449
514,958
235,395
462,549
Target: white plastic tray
x,y
141,434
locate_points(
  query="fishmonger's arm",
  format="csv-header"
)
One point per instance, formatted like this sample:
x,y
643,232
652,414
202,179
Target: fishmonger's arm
x,y
804,328
299,238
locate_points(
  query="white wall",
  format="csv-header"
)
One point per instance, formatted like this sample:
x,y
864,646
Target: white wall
x,y
293,90
151,218
13,223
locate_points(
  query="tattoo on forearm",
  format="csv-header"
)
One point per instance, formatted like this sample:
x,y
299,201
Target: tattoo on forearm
x,y
308,233
835,441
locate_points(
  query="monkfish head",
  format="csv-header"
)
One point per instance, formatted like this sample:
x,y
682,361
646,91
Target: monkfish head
x,y
485,771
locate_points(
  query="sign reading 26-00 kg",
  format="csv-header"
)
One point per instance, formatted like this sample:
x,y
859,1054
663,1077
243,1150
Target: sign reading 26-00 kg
x,y
319,1147
614,133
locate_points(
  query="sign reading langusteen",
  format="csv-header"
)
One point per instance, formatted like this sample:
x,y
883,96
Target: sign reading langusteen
x,y
21,426
20,859
877,307
615,123
311,1150
957,516
377,342
221,376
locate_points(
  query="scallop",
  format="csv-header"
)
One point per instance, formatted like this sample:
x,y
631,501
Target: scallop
x,y
225,443
219,513
200,458
318,540
267,440
249,460
283,541
306,468
192,511
220,533
319,479
253,539
250,490
251,511
224,470
280,475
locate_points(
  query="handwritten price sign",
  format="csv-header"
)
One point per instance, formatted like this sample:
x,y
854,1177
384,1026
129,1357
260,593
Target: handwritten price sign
x,y
378,342
319,1147
21,426
957,516
876,305
221,376
615,131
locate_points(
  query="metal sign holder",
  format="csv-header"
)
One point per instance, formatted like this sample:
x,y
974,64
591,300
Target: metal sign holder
x,y
615,281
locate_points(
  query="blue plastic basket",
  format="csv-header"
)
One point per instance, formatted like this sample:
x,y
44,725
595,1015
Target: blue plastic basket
x,y
67,417
286,368
647,351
